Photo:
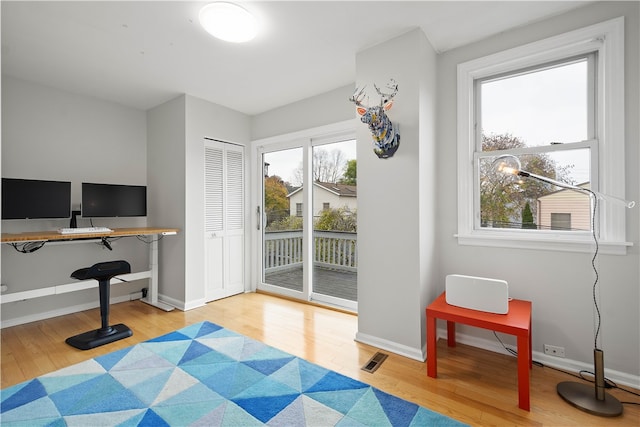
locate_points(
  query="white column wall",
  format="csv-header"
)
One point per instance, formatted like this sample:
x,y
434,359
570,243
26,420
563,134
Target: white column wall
x,y
177,130
395,198
166,172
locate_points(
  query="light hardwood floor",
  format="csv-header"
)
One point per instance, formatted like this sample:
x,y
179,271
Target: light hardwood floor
x,y
474,386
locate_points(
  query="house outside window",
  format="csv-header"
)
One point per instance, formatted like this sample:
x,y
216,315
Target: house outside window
x,y
574,207
325,195
558,106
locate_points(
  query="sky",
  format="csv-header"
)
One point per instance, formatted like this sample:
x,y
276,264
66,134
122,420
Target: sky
x,y
284,163
541,108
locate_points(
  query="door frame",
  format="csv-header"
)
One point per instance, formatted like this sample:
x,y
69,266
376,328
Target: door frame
x,y
246,241
306,280
305,139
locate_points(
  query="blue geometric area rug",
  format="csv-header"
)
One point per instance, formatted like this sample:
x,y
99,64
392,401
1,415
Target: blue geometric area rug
x,y
204,375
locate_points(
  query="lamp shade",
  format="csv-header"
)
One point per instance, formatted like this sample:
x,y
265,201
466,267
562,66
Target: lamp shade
x,y
228,22
506,164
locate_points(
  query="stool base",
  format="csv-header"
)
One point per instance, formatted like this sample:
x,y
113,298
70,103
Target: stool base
x,y
98,337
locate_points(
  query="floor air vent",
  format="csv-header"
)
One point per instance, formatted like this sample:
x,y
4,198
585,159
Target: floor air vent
x,y
375,362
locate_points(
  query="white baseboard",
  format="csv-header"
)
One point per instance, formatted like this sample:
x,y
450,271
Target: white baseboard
x,y
60,312
394,347
94,304
569,365
181,305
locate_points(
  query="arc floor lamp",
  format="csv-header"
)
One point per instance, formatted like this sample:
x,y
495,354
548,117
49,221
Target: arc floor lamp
x,y
582,396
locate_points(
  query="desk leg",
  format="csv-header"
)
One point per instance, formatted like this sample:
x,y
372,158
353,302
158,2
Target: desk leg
x,y
524,364
432,356
451,334
152,292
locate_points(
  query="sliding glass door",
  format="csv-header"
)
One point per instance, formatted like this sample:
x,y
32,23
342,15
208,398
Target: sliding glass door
x,y
282,222
335,210
308,232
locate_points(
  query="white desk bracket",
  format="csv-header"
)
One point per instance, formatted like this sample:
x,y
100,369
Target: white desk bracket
x,y
152,291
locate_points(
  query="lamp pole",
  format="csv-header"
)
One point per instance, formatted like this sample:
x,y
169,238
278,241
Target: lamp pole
x,y
590,399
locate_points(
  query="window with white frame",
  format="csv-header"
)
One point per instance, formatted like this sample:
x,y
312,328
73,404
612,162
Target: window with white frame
x,y
544,116
557,105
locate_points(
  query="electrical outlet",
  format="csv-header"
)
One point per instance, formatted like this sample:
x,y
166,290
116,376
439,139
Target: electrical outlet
x,y
553,350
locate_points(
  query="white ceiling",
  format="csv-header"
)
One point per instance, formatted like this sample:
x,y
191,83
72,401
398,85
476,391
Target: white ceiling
x,y
142,54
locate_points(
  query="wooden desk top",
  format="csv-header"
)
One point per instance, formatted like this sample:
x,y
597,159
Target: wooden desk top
x,y
517,319
35,236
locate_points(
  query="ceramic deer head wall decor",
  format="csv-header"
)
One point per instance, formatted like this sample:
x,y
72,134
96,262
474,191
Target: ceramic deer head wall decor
x,y
386,135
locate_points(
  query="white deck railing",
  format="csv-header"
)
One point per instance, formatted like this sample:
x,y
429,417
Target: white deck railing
x,y
332,249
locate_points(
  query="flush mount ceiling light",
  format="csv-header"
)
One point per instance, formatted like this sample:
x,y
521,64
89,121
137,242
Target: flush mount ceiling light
x,y
229,22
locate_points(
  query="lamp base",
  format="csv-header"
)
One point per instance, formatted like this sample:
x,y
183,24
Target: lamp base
x,y
583,397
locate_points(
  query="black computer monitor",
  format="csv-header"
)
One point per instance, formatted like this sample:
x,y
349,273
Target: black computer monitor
x,y
113,200
35,199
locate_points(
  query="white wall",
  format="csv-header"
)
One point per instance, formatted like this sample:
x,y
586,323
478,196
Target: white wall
x,y
428,182
177,130
166,165
396,196
205,120
558,283
55,135
324,109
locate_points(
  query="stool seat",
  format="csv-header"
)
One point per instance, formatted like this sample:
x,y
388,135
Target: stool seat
x,y
103,272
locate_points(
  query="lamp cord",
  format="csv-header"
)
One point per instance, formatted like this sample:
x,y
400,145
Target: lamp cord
x,y
593,259
595,268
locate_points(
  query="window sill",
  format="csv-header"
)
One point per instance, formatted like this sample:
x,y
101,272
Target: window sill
x,y
550,242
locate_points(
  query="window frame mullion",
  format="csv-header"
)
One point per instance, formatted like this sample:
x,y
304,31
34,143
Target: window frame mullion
x,y
541,149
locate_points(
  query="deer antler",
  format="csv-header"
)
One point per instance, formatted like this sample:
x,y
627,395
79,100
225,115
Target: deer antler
x,y
386,97
358,96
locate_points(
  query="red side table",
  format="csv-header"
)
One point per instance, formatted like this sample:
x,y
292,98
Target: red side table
x,y
516,322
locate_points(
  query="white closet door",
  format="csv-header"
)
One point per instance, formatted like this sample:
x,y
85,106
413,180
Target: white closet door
x,y
224,219
234,214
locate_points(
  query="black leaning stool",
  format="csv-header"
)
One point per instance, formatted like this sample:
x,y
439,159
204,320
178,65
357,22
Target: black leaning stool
x,y
102,272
